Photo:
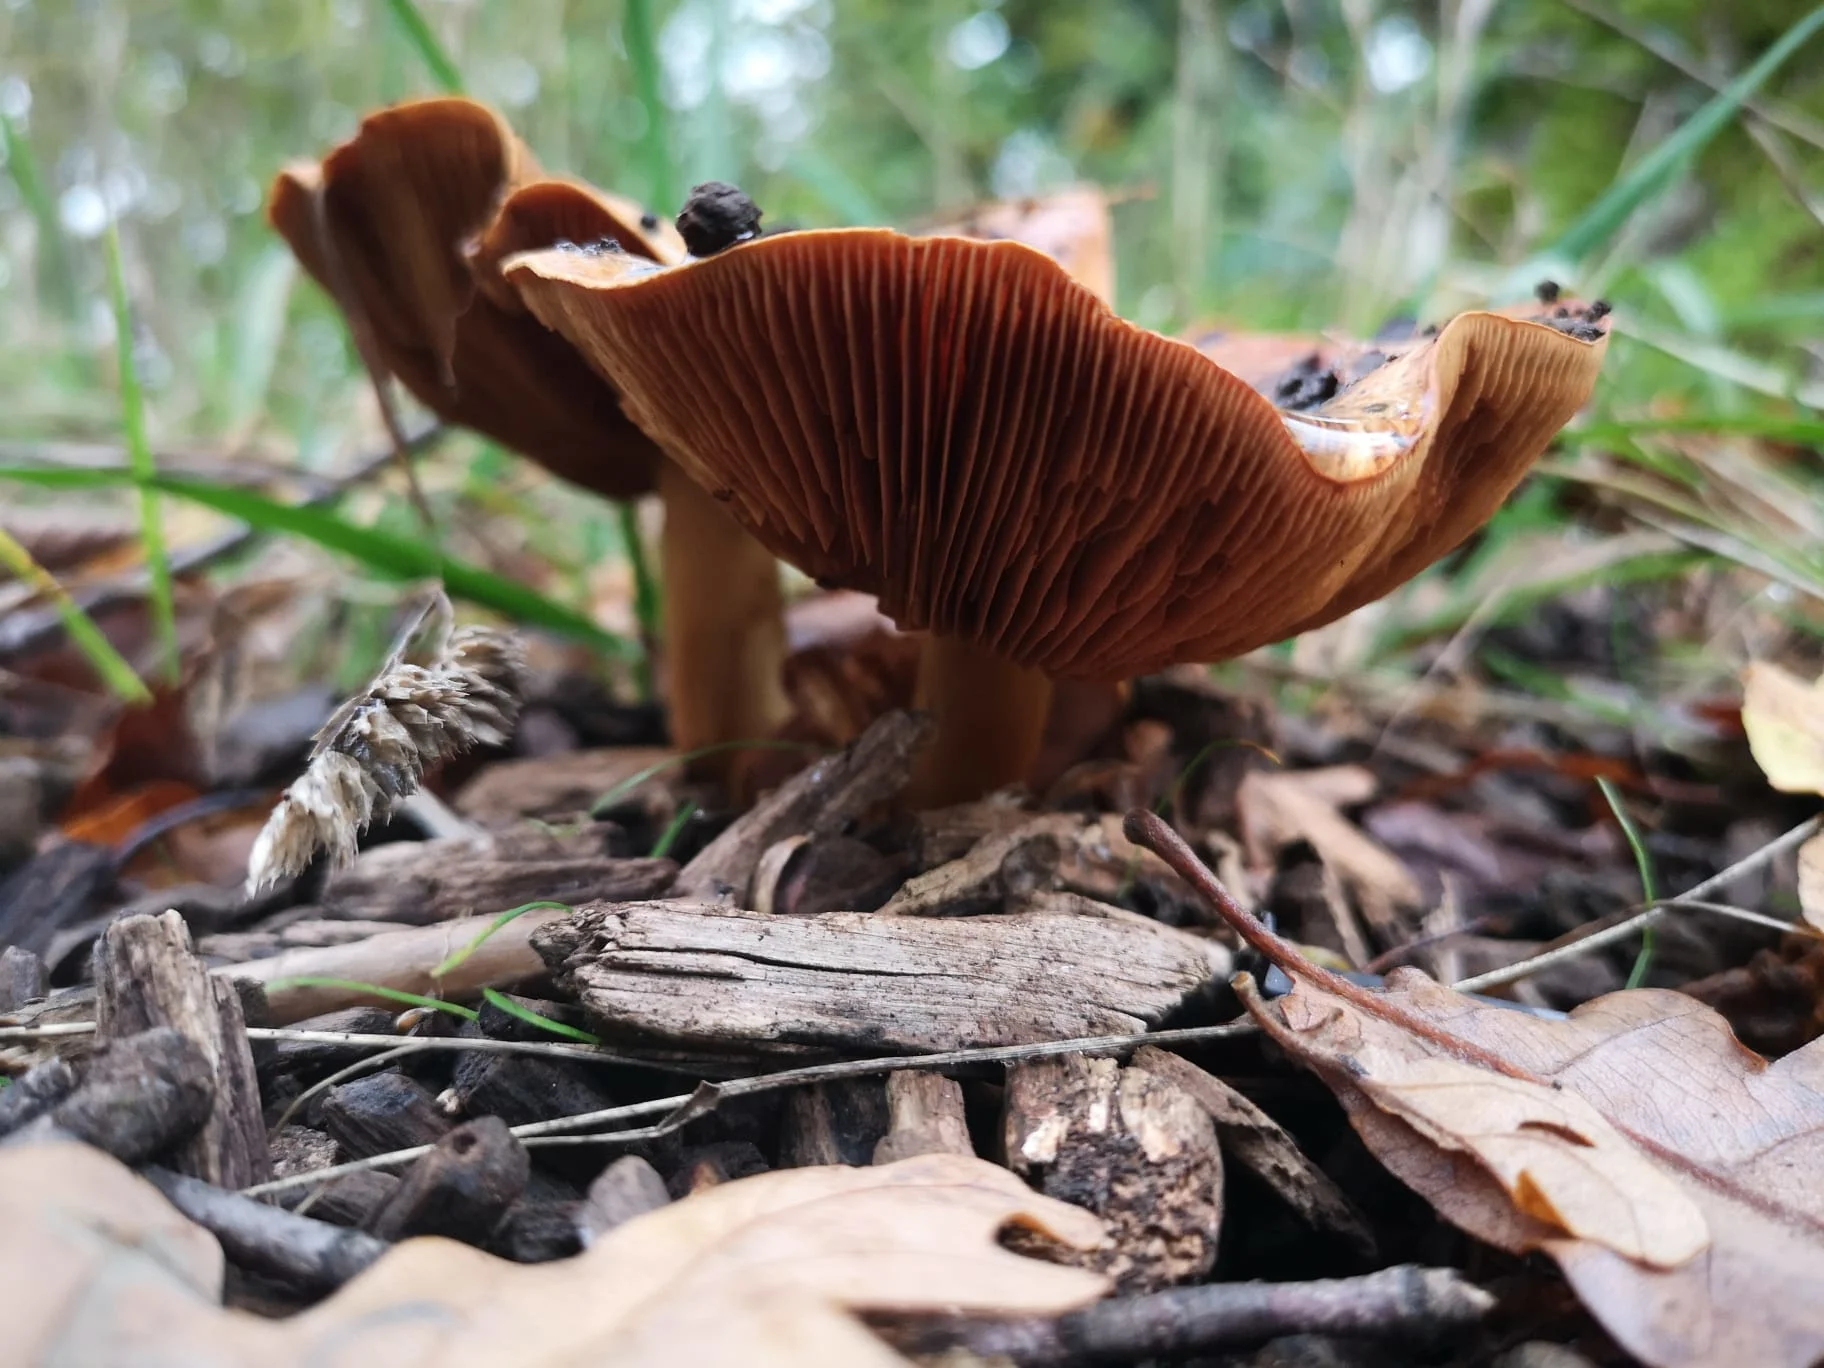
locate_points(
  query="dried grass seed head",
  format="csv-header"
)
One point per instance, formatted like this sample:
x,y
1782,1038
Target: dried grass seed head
x,y
374,751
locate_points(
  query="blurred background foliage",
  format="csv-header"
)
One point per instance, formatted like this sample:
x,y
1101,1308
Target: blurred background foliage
x,y
1279,164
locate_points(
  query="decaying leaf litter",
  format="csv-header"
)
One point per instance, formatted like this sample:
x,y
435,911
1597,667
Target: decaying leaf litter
x,y
768,1035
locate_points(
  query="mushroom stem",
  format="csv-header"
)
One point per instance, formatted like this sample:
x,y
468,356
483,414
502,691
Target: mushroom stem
x,y
724,627
990,720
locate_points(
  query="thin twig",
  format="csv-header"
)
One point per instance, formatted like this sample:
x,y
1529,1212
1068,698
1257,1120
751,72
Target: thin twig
x,y
681,1110
1596,940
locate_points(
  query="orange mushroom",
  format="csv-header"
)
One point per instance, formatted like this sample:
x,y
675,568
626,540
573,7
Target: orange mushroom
x,y
405,225
959,428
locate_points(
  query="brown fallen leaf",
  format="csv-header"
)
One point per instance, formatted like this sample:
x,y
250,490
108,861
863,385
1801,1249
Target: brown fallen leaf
x,y
1669,1171
1277,809
1784,719
1811,881
756,1273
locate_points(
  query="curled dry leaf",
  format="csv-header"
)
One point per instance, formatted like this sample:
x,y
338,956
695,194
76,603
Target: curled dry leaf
x,y
758,1273
1784,719
1669,1171
962,429
385,222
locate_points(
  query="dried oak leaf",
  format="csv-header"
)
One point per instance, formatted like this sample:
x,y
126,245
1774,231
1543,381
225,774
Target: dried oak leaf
x,y
1670,1172
757,1273
1784,719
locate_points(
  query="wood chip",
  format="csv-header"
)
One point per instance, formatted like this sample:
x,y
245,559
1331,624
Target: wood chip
x,y
820,800
1130,1146
146,977
712,980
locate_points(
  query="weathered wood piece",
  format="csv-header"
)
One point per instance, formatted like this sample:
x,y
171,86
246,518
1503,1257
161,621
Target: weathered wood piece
x,y
839,1122
700,977
144,1095
401,959
522,1088
628,1187
998,867
1133,1148
462,1189
352,1199
146,976
311,1056
415,883
537,1232
309,1255
22,978
820,800
287,931
552,787
299,1149
382,1112
1260,1144
940,835
56,888
926,1116
42,1087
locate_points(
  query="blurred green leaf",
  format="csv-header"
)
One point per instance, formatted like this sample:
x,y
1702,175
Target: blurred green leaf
x,y
385,553
95,648
1656,170
139,456
423,39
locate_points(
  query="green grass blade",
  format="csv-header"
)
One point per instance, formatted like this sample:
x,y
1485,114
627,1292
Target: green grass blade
x,y
259,329
384,553
378,990
139,457
526,1014
1657,169
655,142
1649,885
56,276
847,199
614,795
96,648
423,40
457,957
673,829
1809,431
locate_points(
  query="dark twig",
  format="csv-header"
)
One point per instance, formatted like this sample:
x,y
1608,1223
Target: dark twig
x,y
681,1110
1152,831
1407,1302
312,1256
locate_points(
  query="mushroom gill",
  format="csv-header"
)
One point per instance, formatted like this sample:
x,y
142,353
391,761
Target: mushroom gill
x,y
959,428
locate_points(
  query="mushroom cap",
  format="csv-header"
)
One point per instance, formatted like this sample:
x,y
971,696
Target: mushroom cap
x,y
1071,226
383,224
962,430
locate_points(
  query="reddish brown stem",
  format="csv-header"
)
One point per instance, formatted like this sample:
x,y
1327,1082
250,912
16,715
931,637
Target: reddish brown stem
x,y
1152,831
